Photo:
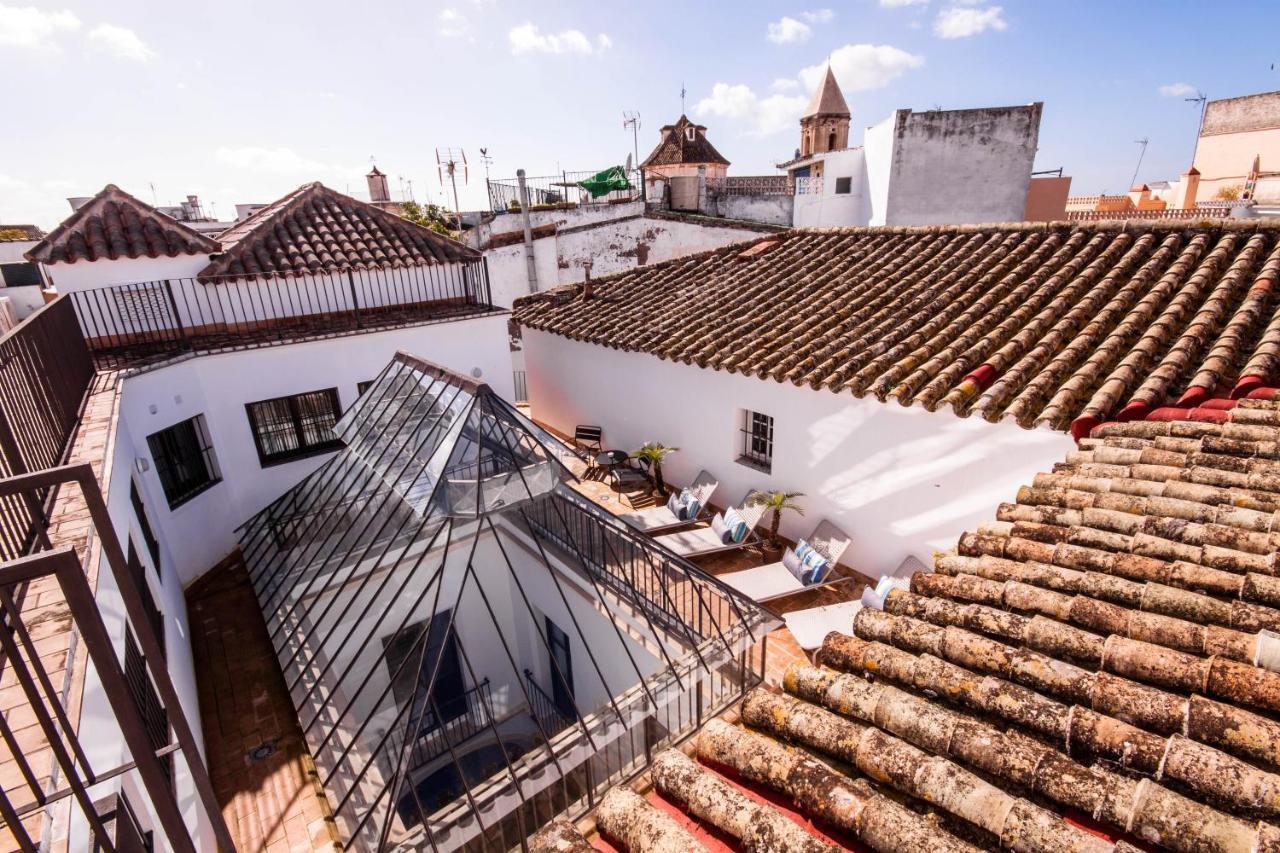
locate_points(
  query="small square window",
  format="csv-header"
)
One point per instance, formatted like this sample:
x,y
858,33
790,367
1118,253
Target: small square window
x,y
296,427
757,441
184,459
844,186
690,134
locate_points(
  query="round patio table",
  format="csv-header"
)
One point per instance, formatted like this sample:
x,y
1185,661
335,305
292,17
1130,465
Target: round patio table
x,y
610,459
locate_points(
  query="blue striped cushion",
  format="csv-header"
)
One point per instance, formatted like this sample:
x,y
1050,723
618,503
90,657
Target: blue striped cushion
x,y
737,525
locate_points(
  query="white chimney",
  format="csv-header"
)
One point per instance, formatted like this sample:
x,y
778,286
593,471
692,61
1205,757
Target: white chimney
x,y
378,191
79,201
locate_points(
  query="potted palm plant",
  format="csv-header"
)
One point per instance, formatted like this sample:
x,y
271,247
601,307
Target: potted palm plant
x,y
778,503
654,452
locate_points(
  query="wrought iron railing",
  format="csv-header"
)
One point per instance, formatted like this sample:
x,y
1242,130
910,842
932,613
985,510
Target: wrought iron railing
x,y
130,324
754,185
550,717
464,717
50,764
808,186
45,371
552,190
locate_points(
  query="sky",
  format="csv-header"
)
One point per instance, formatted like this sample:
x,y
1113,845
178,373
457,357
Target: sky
x,y
241,102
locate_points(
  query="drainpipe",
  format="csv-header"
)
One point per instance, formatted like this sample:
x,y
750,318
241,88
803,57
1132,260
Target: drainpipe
x,y
528,233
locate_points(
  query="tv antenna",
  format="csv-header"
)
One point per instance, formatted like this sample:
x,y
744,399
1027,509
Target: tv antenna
x,y
1141,153
1203,100
631,119
487,161
448,162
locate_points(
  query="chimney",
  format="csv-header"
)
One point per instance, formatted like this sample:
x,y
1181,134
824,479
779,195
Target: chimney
x,y
588,286
378,191
79,201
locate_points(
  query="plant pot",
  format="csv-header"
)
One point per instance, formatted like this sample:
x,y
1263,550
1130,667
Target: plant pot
x,y
772,553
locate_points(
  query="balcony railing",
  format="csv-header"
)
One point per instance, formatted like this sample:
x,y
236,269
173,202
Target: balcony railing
x,y
142,322
550,717
464,717
808,186
552,190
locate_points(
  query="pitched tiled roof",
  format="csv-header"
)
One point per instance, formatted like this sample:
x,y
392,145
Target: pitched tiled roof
x,y
827,99
11,233
114,224
1095,668
676,148
1065,325
315,229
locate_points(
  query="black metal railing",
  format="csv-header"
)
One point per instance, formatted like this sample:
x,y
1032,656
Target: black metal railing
x,y
132,324
142,709
463,717
551,718
45,372
553,190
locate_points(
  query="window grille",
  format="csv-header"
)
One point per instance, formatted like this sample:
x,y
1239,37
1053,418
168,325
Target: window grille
x,y
184,459
288,428
757,440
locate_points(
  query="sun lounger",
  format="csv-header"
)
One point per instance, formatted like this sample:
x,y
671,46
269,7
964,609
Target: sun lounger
x,y
775,580
703,540
659,518
810,627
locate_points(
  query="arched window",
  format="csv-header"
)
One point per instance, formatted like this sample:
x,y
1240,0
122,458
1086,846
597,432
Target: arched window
x,y
831,141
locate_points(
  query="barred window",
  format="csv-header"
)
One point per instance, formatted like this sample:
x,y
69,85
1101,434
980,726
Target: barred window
x,y
154,616
757,441
154,717
184,459
148,535
289,428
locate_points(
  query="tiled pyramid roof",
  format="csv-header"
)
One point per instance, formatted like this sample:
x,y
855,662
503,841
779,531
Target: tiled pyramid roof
x,y
114,224
676,148
1064,325
827,99
1096,670
316,229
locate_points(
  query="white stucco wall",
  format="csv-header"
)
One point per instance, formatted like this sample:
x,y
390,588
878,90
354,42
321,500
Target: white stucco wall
x,y
962,166
200,532
768,209
86,275
610,248
899,480
828,209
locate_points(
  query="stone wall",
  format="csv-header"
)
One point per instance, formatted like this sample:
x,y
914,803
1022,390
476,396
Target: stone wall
x,y
1248,112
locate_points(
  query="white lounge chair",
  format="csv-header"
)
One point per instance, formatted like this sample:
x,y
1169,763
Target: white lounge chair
x,y
701,541
810,627
658,519
775,580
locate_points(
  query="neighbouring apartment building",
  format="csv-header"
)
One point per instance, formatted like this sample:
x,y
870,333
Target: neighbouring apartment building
x,y
914,168
21,279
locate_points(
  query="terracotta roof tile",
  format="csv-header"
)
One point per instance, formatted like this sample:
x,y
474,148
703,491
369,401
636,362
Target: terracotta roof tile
x,y
316,229
1098,666
1064,325
676,148
114,224
827,99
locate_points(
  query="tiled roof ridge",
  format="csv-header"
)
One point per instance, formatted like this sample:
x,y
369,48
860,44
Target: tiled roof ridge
x,y
673,149
1048,324
315,228
115,224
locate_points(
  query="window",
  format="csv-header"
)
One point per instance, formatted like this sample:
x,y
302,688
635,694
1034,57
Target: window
x,y
831,141
361,387
289,428
757,441
20,275
148,535
561,669
154,616
690,133
154,718
844,186
410,662
184,459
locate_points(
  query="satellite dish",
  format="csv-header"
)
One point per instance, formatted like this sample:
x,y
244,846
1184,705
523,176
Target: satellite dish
x,y
628,164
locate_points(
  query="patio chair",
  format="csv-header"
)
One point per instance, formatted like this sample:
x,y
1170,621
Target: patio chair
x,y
775,580
701,541
659,519
586,443
624,474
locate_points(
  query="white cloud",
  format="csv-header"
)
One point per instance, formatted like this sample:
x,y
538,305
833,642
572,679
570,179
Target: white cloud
x,y
738,102
859,67
8,182
278,160
451,23
788,30
26,26
894,4
120,42
818,16
1177,90
958,22
785,84
527,39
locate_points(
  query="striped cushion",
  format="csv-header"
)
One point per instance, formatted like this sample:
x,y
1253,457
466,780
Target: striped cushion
x,y
737,525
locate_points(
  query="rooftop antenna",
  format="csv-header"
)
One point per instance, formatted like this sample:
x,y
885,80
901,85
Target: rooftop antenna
x,y
487,161
631,119
681,97
154,201
448,162
1203,100
1141,153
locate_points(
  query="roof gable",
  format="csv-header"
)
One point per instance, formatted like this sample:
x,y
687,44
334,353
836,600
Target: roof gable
x,y
677,149
1059,325
113,225
315,229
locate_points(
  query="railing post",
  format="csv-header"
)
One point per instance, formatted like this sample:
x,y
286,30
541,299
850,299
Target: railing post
x,y
355,302
177,318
